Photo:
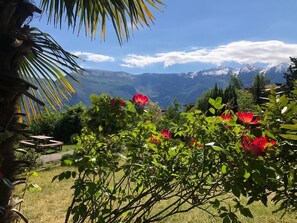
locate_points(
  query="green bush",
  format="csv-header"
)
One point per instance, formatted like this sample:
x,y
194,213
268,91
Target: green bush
x,y
127,165
45,123
70,123
61,125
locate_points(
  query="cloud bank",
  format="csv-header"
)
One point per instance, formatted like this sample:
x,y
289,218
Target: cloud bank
x,y
92,57
270,52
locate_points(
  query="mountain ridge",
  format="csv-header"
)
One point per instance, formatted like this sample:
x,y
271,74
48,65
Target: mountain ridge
x,y
165,87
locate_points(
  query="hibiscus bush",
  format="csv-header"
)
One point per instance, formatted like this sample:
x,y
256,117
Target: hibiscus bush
x,y
280,119
128,164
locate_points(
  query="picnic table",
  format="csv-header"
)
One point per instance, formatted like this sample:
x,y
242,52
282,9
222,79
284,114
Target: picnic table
x,y
41,143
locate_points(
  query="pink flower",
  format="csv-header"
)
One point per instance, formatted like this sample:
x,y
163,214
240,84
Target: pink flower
x,y
166,134
258,145
140,99
247,117
226,117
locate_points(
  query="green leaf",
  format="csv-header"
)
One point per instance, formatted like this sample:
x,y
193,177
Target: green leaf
x,y
218,103
251,200
264,199
212,111
67,162
224,169
68,174
226,219
33,187
246,174
246,212
211,101
289,126
289,136
291,178
236,191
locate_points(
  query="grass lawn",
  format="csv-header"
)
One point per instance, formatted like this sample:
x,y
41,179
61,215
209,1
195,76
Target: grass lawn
x,y
50,204
68,147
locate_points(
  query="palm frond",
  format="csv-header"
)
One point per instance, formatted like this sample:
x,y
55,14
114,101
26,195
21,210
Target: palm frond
x,y
46,68
90,14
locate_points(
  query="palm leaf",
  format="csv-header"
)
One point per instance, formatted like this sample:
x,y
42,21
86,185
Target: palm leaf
x,y
88,14
46,68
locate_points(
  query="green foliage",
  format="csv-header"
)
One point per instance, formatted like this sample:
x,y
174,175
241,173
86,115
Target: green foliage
x,y
31,157
235,82
126,167
61,125
70,123
155,111
280,115
245,101
228,96
291,75
109,117
172,114
202,102
259,83
45,123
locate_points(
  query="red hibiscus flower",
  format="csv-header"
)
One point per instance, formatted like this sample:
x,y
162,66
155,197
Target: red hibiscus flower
x,y
140,99
258,145
193,143
117,102
166,134
247,117
154,139
226,117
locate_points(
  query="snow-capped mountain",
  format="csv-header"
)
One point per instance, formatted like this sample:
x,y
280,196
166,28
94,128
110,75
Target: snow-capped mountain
x,y
164,88
245,73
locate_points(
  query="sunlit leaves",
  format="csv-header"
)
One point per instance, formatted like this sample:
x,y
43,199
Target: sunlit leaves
x,y
47,67
124,15
201,160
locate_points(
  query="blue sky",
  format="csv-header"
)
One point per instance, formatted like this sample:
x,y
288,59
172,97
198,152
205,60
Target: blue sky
x,y
192,35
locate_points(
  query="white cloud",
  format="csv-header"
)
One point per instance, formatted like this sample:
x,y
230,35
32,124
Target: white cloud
x,y
270,52
94,57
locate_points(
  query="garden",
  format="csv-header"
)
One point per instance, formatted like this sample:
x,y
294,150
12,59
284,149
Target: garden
x,y
134,162
230,157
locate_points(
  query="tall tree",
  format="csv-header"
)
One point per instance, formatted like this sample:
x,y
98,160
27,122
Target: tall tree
x,y
32,64
259,83
235,82
291,75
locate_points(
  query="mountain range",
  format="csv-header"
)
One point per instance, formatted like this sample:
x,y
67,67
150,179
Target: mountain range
x,y
164,88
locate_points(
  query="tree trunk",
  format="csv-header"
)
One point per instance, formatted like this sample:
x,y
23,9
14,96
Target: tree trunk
x,y
14,44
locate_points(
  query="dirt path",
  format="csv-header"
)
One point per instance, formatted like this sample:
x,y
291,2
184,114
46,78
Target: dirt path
x,y
54,156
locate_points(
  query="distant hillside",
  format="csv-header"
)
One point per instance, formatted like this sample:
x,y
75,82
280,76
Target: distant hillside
x,y
164,88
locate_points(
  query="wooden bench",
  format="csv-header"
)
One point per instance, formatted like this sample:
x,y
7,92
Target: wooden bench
x,y
51,144
27,143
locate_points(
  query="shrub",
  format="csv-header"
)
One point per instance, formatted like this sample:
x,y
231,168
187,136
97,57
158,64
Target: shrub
x,y
124,172
61,125
45,123
70,123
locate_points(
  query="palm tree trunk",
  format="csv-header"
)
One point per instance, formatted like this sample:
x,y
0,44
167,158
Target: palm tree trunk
x,y
8,168
14,44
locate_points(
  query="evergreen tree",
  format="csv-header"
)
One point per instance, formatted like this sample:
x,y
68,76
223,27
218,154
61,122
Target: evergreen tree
x,y
202,102
260,81
230,98
291,75
235,82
